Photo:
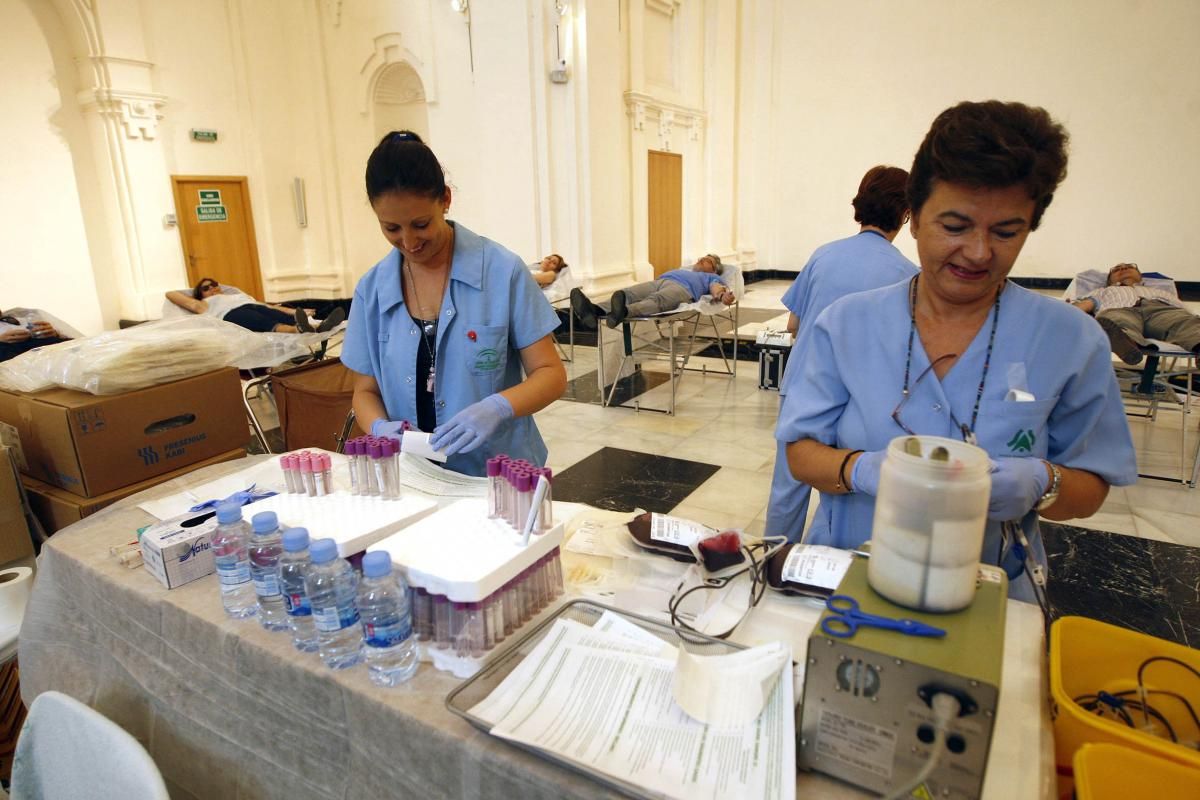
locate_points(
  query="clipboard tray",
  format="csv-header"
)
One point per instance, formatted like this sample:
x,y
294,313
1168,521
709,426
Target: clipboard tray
x,y
475,689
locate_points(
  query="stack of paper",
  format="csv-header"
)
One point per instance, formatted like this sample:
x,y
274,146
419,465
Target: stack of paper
x,y
602,698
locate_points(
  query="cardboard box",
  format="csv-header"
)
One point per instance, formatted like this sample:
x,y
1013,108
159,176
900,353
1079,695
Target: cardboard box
x,y
93,444
56,509
15,541
179,550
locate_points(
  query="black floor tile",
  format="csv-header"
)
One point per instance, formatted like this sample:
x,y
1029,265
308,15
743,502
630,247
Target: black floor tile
x,y
1140,584
622,480
584,389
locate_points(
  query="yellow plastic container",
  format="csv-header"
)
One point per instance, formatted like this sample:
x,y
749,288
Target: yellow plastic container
x,y
1109,772
1087,657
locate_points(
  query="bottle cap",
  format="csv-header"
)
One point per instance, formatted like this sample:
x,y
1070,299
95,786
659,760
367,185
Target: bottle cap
x,y
305,463
388,447
350,448
323,551
493,467
326,461
377,564
264,522
523,481
374,450
228,513
295,539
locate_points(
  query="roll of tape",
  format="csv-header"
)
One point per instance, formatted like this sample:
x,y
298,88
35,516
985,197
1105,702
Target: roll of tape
x,y
15,585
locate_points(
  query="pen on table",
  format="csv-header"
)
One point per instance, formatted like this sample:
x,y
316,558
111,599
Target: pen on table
x,y
539,494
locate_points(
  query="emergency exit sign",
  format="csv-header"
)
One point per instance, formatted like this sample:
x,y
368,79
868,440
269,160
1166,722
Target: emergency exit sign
x,y
211,209
200,135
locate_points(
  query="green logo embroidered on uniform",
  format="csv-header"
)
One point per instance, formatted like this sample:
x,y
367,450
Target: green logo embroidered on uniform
x,y
1022,440
487,361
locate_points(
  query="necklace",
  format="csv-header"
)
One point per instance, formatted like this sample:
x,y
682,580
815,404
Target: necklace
x,y
428,327
968,431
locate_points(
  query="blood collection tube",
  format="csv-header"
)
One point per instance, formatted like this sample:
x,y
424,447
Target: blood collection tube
x,y
524,498
327,468
493,490
556,572
378,481
305,460
470,641
458,630
352,459
318,474
422,614
493,624
441,622
391,448
285,464
396,446
510,609
364,467
546,516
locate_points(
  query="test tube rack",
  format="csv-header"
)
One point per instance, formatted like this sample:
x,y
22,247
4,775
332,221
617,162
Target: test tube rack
x,y
355,522
473,569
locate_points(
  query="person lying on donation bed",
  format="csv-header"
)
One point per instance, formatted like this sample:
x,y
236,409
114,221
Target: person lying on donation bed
x,y
959,351
443,327
233,305
20,335
867,260
545,272
666,293
1131,312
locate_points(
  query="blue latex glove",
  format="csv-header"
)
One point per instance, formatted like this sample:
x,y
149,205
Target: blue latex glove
x,y
387,427
1017,486
472,426
864,478
242,498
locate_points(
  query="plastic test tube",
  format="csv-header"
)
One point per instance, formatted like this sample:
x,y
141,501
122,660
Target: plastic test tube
x,y
376,480
441,622
493,492
391,451
310,487
396,448
422,614
352,459
546,515
493,609
364,467
285,463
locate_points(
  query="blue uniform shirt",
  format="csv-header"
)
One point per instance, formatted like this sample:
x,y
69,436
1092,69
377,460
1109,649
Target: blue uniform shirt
x,y
847,377
857,263
492,310
697,283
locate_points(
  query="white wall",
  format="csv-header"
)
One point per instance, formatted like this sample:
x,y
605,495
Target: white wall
x,y
858,84
44,257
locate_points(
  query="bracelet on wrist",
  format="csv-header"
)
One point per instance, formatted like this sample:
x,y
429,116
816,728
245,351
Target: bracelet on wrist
x,y
842,483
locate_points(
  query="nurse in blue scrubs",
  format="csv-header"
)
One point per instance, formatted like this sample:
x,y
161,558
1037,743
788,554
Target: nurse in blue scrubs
x,y
959,351
448,332
864,261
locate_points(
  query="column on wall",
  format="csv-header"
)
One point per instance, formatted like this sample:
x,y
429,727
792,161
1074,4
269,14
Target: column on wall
x,y
722,144
122,112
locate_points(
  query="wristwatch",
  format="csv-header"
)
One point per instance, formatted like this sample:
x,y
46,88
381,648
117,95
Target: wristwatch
x,y
1051,494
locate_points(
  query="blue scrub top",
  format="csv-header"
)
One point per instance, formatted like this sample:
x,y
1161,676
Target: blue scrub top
x,y
848,375
698,283
493,309
855,264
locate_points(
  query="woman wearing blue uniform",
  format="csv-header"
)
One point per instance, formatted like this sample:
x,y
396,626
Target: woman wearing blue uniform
x,y
958,351
864,261
448,332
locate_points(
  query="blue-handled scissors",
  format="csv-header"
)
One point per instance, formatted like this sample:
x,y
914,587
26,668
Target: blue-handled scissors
x,y
846,617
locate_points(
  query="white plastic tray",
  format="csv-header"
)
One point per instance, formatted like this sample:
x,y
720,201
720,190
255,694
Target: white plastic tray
x,y
459,553
355,522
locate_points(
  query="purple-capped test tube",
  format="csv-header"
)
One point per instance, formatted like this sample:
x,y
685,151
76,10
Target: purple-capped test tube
x,y
493,493
389,448
377,480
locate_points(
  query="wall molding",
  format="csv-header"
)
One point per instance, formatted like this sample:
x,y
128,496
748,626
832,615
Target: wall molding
x,y
664,7
640,107
389,49
138,112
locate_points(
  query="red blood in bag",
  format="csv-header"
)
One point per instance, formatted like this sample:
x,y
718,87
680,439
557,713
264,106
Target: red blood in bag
x,y
727,542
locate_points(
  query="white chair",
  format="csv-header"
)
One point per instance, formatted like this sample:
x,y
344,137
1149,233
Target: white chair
x,y
67,751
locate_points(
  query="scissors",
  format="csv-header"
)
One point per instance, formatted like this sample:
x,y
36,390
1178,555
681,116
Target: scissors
x,y
846,617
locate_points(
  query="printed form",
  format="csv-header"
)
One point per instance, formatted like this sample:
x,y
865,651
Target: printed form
x,y
601,697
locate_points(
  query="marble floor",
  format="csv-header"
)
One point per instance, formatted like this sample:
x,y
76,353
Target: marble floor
x,y
729,422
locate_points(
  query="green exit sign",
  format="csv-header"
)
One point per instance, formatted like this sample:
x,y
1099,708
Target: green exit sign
x,y
203,135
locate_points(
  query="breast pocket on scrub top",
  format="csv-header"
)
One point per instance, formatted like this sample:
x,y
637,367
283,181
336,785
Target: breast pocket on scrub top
x,y
487,355
1019,429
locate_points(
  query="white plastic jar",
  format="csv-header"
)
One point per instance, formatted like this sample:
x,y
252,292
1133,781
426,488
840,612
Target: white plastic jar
x,y
930,516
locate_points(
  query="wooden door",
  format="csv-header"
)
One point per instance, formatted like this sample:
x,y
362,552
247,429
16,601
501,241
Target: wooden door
x,y
666,211
217,230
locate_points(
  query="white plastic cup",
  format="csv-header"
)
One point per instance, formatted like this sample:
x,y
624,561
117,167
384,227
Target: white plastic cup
x,y
930,518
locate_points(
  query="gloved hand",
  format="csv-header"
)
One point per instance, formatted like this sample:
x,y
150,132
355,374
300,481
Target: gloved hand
x,y
388,427
472,426
1017,486
864,477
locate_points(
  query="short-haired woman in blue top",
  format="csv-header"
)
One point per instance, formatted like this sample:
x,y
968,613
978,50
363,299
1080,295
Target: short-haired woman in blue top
x,y
448,332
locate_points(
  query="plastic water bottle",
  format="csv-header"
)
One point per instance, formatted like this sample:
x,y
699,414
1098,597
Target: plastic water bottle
x,y
332,586
389,646
294,565
265,548
233,562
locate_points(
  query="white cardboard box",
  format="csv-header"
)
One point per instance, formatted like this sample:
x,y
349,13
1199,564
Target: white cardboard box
x,y
179,550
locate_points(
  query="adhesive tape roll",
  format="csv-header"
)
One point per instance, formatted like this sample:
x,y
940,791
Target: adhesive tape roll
x,y
15,585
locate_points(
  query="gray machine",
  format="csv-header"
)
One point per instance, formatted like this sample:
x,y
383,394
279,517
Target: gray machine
x,y
866,717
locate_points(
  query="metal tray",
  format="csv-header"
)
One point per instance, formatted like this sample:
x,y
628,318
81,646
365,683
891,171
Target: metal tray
x,y
475,689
